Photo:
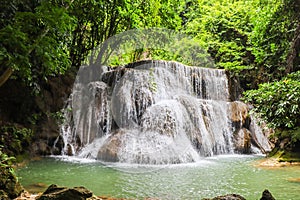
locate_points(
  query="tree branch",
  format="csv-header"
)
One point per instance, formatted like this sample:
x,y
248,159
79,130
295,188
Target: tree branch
x,y
5,76
294,51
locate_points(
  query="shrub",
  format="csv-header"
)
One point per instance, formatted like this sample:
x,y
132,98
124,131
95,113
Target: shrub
x,y
278,102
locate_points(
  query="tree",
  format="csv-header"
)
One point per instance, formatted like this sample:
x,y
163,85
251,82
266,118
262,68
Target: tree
x,y
34,40
276,44
99,20
274,30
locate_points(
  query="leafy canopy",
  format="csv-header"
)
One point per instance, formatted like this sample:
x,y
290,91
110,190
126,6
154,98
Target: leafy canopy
x,y
34,40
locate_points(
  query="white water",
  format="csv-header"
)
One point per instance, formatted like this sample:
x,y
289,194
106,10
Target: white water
x,y
155,113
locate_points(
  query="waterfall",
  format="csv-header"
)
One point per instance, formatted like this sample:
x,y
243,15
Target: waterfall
x,y
157,112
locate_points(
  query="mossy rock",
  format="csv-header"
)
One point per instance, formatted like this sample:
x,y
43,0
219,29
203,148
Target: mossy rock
x,y
289,157
276,153
285,155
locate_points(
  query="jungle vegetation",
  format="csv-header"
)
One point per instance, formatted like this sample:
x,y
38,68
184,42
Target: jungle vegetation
x,y
258,41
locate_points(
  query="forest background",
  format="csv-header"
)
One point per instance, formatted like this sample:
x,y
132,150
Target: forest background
x,y
257,41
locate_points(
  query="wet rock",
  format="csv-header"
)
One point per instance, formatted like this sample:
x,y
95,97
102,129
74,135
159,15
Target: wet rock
x,y
242,141
55,192
48,104
165,122
113,76
69,150
235,90
266,195
260,134
227,197
109,151
41,147
239,115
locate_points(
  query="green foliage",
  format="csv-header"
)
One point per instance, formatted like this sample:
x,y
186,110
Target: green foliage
x,y
15,140
5,160
10,188
58,116
278,102
156,44
34,118
274,28
99,21
249,38
295,136
42,38
222,27
34,40
152,13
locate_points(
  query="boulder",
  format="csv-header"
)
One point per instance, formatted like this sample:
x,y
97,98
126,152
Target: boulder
x,y
55,192
228,197
266,195
239,114
109,151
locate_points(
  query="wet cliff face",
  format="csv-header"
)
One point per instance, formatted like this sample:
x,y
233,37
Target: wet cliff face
x,y
157,112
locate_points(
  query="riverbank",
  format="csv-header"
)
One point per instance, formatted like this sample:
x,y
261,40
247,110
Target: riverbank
x,y
274,162
55,192
37,190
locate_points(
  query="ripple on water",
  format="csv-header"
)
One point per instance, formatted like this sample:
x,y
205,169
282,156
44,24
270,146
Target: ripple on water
x,y
207,178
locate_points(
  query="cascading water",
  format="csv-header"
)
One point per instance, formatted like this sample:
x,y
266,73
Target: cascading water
x,y
157,112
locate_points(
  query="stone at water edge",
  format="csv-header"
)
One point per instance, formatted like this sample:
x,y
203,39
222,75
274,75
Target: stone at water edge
x,y
266,195
55,192
227,197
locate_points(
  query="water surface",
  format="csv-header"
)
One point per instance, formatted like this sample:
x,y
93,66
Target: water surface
x,y
208,178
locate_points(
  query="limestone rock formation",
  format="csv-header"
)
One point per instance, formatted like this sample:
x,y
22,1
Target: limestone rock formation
x,y
242,141
158,112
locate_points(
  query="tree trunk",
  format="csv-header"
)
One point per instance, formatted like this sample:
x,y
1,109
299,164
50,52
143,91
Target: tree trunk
x,y
293,56
5,76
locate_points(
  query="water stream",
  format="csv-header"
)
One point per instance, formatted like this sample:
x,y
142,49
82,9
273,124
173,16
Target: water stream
x,y
209,177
